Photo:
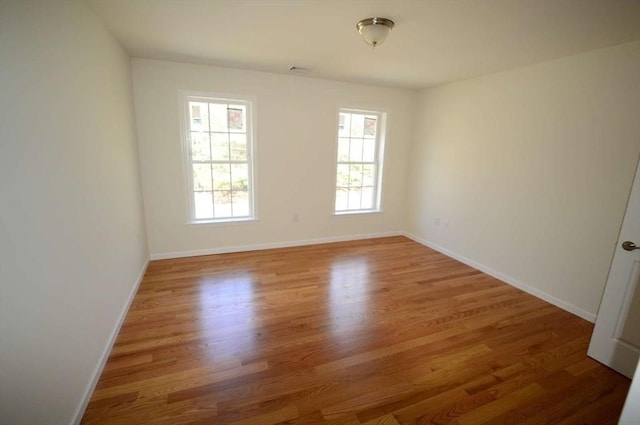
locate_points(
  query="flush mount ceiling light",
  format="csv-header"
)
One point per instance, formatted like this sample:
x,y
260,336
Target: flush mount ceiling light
x,y
375,30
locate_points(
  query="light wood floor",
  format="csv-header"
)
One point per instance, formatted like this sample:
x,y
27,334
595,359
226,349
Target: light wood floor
x,y
382,331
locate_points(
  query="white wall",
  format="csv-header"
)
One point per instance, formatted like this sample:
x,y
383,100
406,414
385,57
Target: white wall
x,y
531,170
72,237
295,145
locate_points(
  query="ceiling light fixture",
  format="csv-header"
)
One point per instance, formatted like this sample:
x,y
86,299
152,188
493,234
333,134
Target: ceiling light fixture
x,y
375,30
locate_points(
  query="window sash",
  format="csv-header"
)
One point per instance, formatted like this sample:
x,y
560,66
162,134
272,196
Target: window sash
x,y
231,198
351,197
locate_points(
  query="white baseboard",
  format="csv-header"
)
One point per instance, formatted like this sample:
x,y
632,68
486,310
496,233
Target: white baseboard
x,y
508,279
257,247
105,356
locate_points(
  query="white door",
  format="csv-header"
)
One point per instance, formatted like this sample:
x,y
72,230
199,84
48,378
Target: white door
x,y
616,336
631,409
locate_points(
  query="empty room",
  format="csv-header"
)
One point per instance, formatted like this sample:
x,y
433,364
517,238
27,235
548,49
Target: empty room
x,y
339,212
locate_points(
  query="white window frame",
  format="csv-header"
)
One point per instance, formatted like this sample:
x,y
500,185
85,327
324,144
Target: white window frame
x,y
381,132
250,103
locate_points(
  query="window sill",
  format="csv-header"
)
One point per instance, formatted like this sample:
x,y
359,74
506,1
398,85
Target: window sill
x,y
224,221
347,213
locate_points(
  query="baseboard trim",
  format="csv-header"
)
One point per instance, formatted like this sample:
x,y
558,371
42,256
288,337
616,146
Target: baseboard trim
x,y
507,279
257,247
105,356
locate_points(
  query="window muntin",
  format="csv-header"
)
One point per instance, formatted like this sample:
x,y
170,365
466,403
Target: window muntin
x,y
358,169
219,152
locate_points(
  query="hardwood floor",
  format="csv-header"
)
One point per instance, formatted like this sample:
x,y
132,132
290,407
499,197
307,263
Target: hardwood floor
x,y
382,331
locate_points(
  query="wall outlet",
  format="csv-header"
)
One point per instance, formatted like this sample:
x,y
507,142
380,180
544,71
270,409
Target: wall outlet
x,y
296,217
437,221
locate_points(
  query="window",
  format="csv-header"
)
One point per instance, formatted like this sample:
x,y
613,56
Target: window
x,y
218,158
359,162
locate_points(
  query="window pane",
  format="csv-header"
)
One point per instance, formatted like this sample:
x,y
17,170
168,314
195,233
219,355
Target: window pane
x,y
222,203
354,198
367,197
342,177
238,146
355,152
368,175
355,175
198,116
341,198
239,176
357,125
219,157
240,203
201,177
236,115
218,116
200,146
343,149
221,177
357,161
369,150
203,202
370,124
344,124
220,146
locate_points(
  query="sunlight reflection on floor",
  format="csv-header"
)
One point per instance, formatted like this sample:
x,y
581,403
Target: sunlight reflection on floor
x,y
349,296
227,313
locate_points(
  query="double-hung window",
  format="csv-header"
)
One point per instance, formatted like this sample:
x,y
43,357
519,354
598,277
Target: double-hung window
x,y
359,161
218,143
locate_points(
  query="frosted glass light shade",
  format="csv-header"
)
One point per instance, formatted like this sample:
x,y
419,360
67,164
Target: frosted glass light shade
x,y
375,30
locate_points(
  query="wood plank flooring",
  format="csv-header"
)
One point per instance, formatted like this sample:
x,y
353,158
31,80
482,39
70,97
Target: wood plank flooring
x,y
381,331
